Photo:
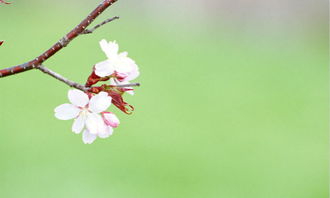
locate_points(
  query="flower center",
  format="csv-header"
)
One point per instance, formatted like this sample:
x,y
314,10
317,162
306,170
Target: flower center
x,y
84,111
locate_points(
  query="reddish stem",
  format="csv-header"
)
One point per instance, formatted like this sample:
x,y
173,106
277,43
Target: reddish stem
x,y
60,44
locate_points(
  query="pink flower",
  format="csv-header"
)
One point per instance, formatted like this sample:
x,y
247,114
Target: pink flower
x,y
86,114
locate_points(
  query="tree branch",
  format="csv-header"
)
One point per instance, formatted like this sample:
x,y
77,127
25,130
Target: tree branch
x,y
78,30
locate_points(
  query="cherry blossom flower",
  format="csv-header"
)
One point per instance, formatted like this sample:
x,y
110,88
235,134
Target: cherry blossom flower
x,y
86,114
119,65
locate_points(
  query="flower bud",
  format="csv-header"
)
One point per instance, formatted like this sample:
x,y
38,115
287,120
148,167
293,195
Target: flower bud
x,y
110,119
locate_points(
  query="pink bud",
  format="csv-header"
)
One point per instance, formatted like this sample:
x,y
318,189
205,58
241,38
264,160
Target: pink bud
x,y
110,119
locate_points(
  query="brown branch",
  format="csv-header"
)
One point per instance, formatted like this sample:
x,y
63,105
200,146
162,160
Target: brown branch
x,y
89,31
60,44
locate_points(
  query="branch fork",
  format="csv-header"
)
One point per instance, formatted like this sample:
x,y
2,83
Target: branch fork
x,y
63,42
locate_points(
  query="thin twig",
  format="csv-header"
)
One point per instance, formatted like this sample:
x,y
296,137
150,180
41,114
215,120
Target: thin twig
x,y
60,44
128,85
89,31
74,84
61,78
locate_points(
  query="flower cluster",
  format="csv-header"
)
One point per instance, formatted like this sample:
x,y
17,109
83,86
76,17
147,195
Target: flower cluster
x,y
89,109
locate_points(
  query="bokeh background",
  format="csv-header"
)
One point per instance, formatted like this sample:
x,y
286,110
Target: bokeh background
x,y
233,103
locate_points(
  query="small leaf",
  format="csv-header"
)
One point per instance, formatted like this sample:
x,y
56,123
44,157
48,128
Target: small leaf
x,y
93,79
118,101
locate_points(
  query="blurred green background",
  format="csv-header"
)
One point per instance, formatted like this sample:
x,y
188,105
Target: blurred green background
x,y
233,103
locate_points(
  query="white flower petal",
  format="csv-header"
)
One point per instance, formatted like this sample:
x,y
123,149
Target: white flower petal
x,y
127,69
88,138
107,133
104,68
95,123
130,92
66,112
125,65
132,75
110,49
78,98
92,123
99,102
123,54
78,124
